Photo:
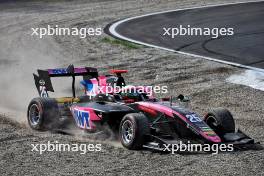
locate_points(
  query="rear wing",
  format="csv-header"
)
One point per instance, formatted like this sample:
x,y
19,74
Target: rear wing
x,y
44,84
71,71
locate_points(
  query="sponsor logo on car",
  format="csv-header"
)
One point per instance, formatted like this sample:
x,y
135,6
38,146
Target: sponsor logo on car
x,y
82,118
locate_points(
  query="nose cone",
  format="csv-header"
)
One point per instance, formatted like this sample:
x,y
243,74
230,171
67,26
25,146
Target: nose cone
x,y
215,139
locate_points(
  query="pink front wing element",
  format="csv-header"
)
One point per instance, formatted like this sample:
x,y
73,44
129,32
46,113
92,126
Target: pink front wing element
x,y
215,139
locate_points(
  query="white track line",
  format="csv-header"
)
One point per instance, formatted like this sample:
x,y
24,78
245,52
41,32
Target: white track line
x,y
112,30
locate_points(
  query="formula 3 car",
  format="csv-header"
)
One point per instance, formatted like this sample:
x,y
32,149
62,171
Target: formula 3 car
x,y
140,122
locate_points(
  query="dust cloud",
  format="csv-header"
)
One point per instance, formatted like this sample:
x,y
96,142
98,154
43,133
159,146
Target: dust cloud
x,y
23,55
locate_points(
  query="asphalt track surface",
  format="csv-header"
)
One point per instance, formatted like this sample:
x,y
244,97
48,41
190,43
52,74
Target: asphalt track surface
x,y
245,47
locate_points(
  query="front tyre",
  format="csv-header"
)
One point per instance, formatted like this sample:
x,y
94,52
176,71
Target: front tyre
x,y
221,121
133,130
43,113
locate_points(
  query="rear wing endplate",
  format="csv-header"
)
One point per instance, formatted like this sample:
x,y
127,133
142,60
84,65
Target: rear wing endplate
x,y
44,84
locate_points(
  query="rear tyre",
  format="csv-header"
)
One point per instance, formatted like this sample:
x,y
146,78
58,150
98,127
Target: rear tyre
x,y
133,130
43,114
221,121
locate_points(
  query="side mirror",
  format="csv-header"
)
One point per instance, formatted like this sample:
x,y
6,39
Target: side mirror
x,y
183,98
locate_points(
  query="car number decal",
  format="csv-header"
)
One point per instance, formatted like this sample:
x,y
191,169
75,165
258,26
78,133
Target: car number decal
x,y
193,118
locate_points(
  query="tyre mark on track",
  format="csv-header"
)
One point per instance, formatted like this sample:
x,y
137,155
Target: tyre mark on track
x,y
205,43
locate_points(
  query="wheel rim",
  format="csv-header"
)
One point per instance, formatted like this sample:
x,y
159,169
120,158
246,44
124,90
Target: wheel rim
x,y
34,115
127,132
211,121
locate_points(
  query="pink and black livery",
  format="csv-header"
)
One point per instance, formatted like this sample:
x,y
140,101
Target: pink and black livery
x,y
138,119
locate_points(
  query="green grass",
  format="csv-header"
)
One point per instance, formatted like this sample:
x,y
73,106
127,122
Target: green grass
x,y
124,43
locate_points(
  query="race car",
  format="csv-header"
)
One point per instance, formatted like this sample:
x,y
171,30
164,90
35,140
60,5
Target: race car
x,y
139,120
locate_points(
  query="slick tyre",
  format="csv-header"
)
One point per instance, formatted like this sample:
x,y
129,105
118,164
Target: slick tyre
x,y
133,130
221,121
43,114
